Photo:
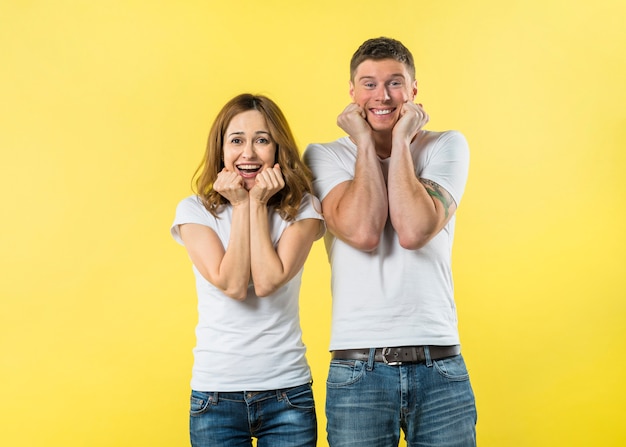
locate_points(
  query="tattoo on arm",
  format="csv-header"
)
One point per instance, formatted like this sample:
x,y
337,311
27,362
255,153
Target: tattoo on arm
x,y
436,191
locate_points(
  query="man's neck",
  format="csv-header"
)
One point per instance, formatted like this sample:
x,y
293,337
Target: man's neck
x,y
382,141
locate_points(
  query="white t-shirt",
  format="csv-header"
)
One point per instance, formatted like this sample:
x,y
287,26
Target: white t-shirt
x,y
393,296
254,344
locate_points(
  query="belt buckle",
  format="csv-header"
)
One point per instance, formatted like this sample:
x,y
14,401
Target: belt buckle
x,y
384,353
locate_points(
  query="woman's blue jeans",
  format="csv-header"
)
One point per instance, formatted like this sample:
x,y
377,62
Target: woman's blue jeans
x,y
369,403
279,418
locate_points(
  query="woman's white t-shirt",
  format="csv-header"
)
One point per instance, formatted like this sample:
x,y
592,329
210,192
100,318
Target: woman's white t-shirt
x,y
249,345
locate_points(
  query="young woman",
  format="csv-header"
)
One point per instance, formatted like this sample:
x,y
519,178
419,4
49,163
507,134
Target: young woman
x,y
248,232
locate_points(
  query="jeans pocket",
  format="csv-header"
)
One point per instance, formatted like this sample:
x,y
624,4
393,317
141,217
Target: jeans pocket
x,y
199,402
300,397
452,368
344,373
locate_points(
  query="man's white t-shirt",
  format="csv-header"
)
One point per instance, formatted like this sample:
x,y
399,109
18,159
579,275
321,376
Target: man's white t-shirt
x,y
393,296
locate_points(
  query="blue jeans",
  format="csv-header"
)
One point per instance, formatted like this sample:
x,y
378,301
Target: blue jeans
x,y
279,418
368,403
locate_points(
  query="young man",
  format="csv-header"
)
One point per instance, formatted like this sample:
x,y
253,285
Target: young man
x,y
389,191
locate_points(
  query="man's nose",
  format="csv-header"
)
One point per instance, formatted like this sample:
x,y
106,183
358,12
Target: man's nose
x,y
383,93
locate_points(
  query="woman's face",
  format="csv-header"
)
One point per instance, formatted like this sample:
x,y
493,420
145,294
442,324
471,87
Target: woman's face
x,y
248,146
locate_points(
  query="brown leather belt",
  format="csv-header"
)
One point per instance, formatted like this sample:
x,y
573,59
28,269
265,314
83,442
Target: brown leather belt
x,y
400,355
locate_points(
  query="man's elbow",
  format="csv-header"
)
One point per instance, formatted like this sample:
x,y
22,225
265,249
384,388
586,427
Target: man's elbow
x,y
414,240
364,242
265,289
237,294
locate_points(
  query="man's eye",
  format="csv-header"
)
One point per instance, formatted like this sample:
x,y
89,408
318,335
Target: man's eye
x,y
370,85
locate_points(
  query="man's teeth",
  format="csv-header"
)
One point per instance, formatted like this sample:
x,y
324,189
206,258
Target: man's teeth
x,y
382,112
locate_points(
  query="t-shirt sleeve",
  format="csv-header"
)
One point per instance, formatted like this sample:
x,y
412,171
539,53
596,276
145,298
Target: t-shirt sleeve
x,y
449,164
328,168
190,210
311,208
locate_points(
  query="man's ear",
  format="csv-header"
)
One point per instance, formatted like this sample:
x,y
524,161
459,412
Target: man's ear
x,y
351,90
414,90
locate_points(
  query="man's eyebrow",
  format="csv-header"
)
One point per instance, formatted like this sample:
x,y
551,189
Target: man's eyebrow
x,y
394,75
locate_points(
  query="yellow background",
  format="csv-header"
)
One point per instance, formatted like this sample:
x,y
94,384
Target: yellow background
x,y
104,111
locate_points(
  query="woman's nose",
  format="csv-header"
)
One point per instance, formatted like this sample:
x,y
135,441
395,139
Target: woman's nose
x,y
248,150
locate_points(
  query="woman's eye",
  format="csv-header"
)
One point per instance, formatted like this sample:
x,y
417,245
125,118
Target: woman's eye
x,y
235,140
262,141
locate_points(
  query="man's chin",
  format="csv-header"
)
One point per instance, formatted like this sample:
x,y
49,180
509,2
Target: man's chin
x,y
382,126
382,122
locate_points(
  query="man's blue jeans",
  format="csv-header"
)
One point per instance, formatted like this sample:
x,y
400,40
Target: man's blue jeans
x,y
280,418
368,403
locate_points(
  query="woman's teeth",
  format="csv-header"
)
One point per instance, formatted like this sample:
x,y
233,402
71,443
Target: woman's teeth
x,y
249,168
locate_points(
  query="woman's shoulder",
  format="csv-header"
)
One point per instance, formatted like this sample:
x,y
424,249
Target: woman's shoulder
x,y
192,206
310,207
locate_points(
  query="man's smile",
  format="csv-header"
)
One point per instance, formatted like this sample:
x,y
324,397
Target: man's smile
x,y
382,111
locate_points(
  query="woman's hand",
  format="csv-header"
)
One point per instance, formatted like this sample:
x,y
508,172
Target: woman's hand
x,y
230,185
267,183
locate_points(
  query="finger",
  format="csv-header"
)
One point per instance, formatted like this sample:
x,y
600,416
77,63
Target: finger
x,y
362,112
279,176
406,107
273,177
264,179
419,111
278,171
355,108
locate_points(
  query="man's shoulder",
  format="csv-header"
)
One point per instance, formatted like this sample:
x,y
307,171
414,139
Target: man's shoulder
x,y
428,136
340,146
341,142
447,140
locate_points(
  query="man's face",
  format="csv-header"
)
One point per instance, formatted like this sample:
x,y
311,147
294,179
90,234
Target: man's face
x,y
380,87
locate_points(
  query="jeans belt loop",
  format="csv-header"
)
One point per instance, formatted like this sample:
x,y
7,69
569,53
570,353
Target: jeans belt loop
x,y
429,360
371,359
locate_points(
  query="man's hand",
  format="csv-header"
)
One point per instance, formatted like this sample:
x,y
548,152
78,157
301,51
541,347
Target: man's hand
x,y
267,183
352,121
230,185
412,119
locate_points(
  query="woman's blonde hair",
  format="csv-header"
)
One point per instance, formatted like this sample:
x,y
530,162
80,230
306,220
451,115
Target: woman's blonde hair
x,y
296,174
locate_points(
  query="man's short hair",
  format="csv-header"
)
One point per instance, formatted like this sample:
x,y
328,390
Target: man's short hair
x,y
382,48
